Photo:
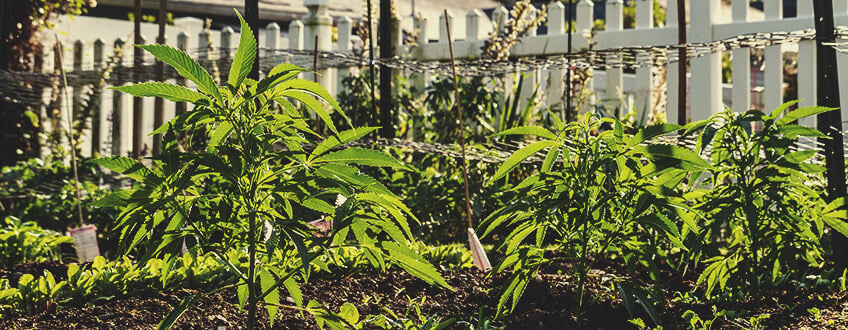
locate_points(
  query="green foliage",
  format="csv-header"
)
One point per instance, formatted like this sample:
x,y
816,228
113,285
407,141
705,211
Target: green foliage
x,y
764,210
41,190
597,193
270,185
24,242
102,280
432,186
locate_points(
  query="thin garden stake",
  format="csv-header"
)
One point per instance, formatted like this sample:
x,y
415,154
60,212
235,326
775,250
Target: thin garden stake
x,y
568,72
371,64
138,103
681,65
315,60
71,137
159,105
477,252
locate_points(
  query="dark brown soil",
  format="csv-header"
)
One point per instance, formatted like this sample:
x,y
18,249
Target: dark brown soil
x,y
547,304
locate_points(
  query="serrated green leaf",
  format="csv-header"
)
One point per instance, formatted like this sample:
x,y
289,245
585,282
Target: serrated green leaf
x,y
798,157
167,91
782,108
340,139
529,130
220,134
277,75
310,102
660,151
294,291
360,156
242,294
175,314
794,131
318,205
414,264
352,175
267,281
118,198
800,113
652,132
245,55
129,167
517,157
550,159
312,88
186,67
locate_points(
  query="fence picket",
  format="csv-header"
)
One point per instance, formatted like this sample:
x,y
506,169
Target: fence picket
x,y
773,83
741,93
706,70
614,92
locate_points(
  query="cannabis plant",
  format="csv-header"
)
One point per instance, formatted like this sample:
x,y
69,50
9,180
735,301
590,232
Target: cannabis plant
x,y
596,194
766,208
263,175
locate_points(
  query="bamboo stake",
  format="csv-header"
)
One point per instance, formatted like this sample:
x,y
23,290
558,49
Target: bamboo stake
x,y
70,132
479,255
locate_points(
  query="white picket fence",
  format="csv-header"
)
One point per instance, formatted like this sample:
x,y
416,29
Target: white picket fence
x,y
707,94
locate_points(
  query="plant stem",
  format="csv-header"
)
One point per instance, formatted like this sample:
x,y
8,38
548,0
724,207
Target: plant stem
x,y
251,271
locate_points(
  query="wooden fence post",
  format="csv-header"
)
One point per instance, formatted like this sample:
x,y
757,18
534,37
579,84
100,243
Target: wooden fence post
x,y
706,70
840,8
118,104
97,106
672,70
830,123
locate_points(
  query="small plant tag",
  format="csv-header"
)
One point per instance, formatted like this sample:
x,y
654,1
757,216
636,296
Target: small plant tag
x,y
85,242
481,261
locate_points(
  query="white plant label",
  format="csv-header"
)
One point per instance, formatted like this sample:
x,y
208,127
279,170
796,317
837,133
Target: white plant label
x,y
85,242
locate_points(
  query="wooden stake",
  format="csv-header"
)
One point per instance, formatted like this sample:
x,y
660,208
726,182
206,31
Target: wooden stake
x,y
138,103
159,105
458,103
71,138
681,65
830,123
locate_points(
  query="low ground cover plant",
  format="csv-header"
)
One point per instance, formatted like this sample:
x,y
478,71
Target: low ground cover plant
x,y
24,242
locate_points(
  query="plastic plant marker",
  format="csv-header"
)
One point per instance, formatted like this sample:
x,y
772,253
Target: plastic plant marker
x,y
478,255
85,242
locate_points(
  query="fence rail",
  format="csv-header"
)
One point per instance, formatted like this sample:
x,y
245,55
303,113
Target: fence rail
x,y
638,87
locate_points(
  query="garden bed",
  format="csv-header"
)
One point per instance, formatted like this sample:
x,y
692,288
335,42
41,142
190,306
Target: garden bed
x,y
547,304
